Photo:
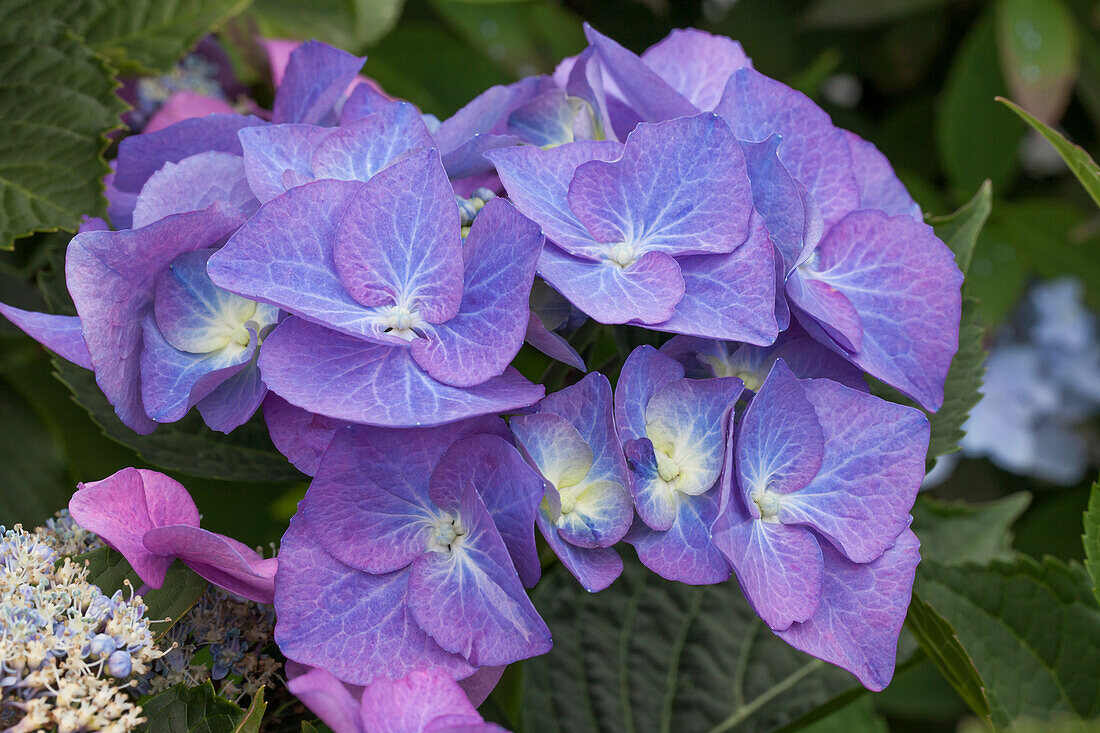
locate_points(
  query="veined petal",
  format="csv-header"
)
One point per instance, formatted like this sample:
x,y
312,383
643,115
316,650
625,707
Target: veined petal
x,y
599,514
62,335
684,552
595,569
196,316
654,498
346,378
354,624
780,442
645,372
879,187
357,151
300,435
194,183
234,401
861,612
696,64
481,340
554,447
398,240
470,600
829,307
221,560
269,152
680,188
313,82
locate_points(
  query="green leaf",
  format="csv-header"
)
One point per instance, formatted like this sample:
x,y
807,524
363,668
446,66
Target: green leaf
x,y
953,532
1080,162
255,714
109,570
35,483
57,103
651,655
961,389
959,230
857,716
523,37
188,446
1092,539
1031,629
974,141
1039,50
349,24
136,35
940,642
184,709
864,13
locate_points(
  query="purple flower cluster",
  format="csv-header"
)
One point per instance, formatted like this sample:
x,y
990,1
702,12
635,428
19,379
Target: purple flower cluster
x,y
367,274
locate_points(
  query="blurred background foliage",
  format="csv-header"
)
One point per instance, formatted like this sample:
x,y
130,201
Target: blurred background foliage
x,y
916,77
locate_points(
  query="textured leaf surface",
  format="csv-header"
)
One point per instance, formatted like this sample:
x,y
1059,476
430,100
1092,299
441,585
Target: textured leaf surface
x,y
254,715
1031,629
184,709
940,642
1092,539
954,532
959,230
1079,161
187,446
147,35
56,104
651,655
109,570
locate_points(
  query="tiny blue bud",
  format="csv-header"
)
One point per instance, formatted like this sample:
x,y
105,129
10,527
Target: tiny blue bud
x,y
466,210
119,664
484,194
102,645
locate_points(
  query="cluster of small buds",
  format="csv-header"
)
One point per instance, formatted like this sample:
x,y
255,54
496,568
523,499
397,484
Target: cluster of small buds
x,y
66,649
468,208
194,73
223,639
66,536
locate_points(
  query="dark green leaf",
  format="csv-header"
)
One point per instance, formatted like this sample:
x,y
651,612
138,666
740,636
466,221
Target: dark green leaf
x,y
255,714
349,24
57,103
959,230
1092,539
956,531
109,570
863,13
651,655
184,709
35,483
1039,51
145,35
960,391
1079,161
1032,630
940,642
187,446
973,139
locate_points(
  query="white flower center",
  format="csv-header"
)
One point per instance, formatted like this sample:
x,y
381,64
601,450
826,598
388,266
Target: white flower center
x,y
402,322
445,534
768,504
623,255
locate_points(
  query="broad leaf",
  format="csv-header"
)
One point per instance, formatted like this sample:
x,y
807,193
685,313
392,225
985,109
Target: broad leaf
x,y
650,655
35,483
1092,539
1039,49
1031,629
187,446
255,714
184,709
959,230
109,570
136,35
350,24
941,644
960,391
954,532
57,103
1080,162
973,140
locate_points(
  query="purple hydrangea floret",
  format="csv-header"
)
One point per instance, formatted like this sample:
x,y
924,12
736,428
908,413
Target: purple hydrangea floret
x,y
815,517
401,555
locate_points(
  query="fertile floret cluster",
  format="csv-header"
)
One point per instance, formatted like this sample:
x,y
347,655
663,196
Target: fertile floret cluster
x,y
66,649
368,274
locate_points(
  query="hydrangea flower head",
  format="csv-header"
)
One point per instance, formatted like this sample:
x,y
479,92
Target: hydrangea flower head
x,y
401,555
658,231
815,515
674,434
571,440
387,296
